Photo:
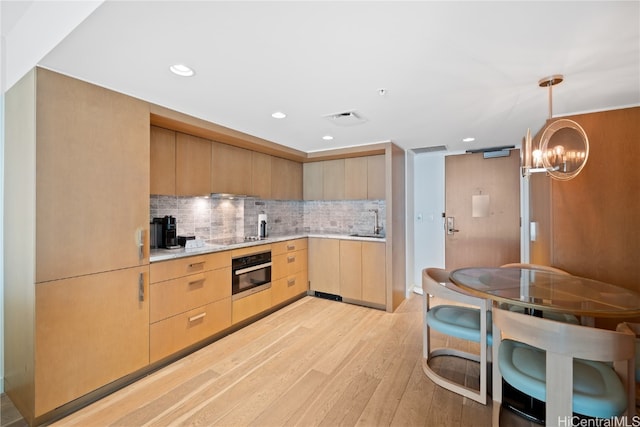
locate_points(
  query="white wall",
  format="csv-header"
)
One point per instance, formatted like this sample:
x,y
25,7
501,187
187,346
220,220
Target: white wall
x,y
428,206
2,240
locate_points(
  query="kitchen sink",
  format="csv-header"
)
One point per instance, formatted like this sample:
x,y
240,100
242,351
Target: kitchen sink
x,y
376,236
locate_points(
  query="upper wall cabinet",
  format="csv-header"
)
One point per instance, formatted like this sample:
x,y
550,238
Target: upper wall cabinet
x,y
345,179
230,169
286,179
313,184
92,156
163,161
260,175
193,165
376,177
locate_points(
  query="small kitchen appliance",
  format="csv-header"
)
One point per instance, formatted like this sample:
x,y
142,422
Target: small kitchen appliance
x,y
155,231
250,274
169,232
262,226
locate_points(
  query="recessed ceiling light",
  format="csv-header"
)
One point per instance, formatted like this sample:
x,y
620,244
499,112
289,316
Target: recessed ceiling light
x,y
181,70
327,137
469,139
278,115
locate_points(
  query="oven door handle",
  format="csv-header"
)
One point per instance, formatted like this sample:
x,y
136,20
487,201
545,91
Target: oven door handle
x,y
250,269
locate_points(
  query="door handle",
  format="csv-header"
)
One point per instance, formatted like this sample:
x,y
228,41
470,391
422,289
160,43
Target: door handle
x,y
451,225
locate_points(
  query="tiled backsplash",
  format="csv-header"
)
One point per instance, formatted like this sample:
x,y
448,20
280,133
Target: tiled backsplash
x,y
222,218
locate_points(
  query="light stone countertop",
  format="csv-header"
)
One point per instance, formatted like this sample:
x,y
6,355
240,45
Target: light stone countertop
x,y
168,254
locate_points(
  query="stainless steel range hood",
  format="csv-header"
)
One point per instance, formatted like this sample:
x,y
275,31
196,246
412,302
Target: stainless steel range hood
x,y
230,196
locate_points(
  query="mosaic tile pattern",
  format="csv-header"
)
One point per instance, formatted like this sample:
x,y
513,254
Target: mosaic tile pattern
x,y
221,218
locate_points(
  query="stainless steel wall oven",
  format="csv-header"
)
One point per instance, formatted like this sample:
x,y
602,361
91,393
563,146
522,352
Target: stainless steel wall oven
x,y
250,274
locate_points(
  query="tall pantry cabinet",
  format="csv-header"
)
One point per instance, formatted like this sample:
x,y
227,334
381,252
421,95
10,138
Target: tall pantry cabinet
x,y
76,224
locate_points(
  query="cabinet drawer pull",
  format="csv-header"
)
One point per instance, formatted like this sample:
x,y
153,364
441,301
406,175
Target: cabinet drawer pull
x,y
291,258
197,317
291,247
291,282
196,264
197,281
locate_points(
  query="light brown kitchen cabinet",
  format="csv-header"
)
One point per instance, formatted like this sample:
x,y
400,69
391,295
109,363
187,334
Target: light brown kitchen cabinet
x,y
289,274
286,179
351,269
260,175
250,306
364,178
355,178
324,265
190,300
374,289
90,331
78,239
230,169
376,189
313,181
92,156
193,165
163,161
333,179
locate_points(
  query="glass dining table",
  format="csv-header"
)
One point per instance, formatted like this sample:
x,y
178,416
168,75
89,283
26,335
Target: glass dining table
x,y
548,291
539,291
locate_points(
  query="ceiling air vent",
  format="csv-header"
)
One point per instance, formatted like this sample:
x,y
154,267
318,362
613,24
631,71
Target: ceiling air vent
x,y
432,149
347,118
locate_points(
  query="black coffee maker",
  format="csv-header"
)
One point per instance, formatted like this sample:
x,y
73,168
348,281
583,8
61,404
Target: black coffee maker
x,y
169,233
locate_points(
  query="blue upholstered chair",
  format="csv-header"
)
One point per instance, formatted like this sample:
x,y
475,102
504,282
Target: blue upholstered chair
x,y
573,368
471,321
635,328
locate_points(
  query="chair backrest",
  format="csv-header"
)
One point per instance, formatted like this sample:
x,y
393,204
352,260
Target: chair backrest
x,y
435,281
564,342
581,342
534,267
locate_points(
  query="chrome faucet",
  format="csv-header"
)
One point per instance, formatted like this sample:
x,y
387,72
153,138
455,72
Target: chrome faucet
x,y
376,228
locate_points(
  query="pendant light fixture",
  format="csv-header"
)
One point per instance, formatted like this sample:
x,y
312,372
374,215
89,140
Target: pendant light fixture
x,y
563,148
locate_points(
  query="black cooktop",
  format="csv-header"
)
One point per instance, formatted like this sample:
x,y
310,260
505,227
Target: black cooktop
x,y
233,240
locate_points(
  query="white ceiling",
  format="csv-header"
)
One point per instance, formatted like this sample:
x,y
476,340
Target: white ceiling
x,y
450,69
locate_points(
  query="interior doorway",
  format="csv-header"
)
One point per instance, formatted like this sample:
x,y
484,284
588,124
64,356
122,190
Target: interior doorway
x,y
482,210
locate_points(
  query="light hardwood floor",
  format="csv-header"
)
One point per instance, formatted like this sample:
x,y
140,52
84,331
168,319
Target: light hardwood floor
x,y
315,362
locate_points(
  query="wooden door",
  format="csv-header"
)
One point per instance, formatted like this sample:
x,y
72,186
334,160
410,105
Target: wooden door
x,y
483,199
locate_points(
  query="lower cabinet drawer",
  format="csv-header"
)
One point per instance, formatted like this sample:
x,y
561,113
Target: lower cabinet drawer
x,y
251,305
288,287
179,295
289,263
178,332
